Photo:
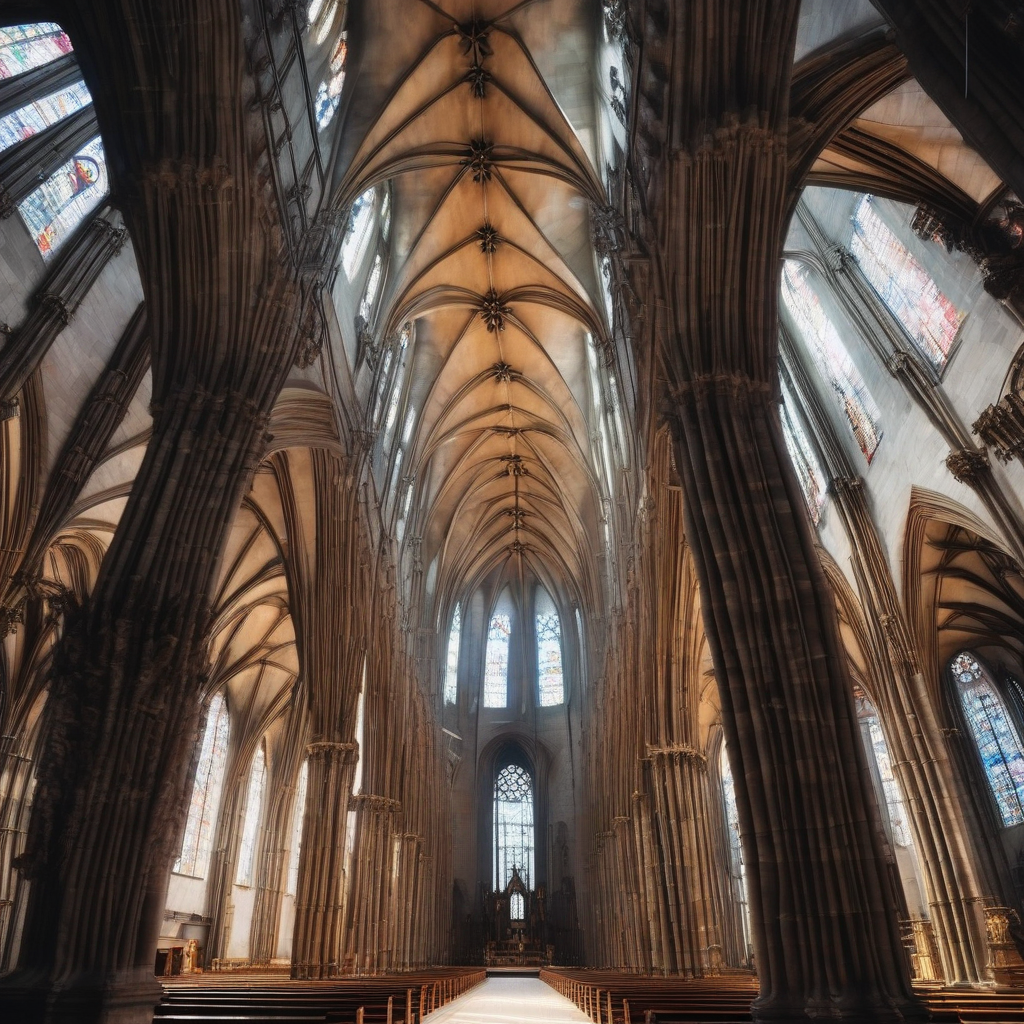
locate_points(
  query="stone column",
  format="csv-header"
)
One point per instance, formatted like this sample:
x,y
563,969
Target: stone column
x,y
320,898
824,923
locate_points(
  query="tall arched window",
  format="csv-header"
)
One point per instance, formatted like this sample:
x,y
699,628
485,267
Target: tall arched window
x,y
737,869
550,682
451,670
499,637
514,840
251,822
197,842
34,117
907,289
369,301
357,237
878,750
995,734
812,480
831,357
24,47
297,815
53,211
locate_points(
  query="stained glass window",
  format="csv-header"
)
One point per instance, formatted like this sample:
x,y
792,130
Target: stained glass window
x,y
928,316
831,357
201,823
995,734
251,822
53,211
499,636
25,122
877,748
513,825
737,868
396,387
357,237
328,93
549,652
24,47
808,471
297,815
451,672
385,216
372,287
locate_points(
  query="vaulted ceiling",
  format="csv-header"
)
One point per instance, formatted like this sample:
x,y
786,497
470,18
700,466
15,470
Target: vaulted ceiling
x,y
482,122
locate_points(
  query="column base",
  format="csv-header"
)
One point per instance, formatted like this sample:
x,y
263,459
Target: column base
x,y
30,998
820,1012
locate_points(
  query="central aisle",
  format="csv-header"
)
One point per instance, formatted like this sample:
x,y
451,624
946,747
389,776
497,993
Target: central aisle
x,y
508,1001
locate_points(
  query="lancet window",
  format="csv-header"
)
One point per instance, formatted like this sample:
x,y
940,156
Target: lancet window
x,y
995,735
907,289
251,822
53,211
499,638
328,93
24,47
201,823
831,357
297,815
878,751
550,681
451,671
34,117
737,869
514,840
357,237
808,471
369,300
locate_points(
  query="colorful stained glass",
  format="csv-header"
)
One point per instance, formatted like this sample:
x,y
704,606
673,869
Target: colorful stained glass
x,y
201,823
877,748
499,638
996,736
24,47
297,816
802,455
831,357
514,839
328,93
357,237
550,683
34,117
929,317
451,671
251,822
53,211
369,300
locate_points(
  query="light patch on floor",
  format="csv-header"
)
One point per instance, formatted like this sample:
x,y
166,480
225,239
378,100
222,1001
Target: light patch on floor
x,y
509,1001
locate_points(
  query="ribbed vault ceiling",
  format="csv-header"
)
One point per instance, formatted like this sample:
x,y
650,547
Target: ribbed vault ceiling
x,y
491,260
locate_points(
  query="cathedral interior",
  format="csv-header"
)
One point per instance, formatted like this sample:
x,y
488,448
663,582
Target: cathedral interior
x,y
511,485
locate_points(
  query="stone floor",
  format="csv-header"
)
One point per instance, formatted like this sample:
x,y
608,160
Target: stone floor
x,y
508,1001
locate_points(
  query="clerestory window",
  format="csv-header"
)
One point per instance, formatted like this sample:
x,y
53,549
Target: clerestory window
x,y
251,822
550,679
451,671
499,638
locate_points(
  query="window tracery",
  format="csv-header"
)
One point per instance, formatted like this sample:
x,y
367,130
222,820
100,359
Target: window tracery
x,y
38,115
995,735
328,93
499,637
24,47
831,357
53,211
451,674
251,821
201,822
297,818
369,300
514,839
906,288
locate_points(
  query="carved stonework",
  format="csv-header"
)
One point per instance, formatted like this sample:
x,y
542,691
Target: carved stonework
x,y
1004,959
493,311
967,465
1001,426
